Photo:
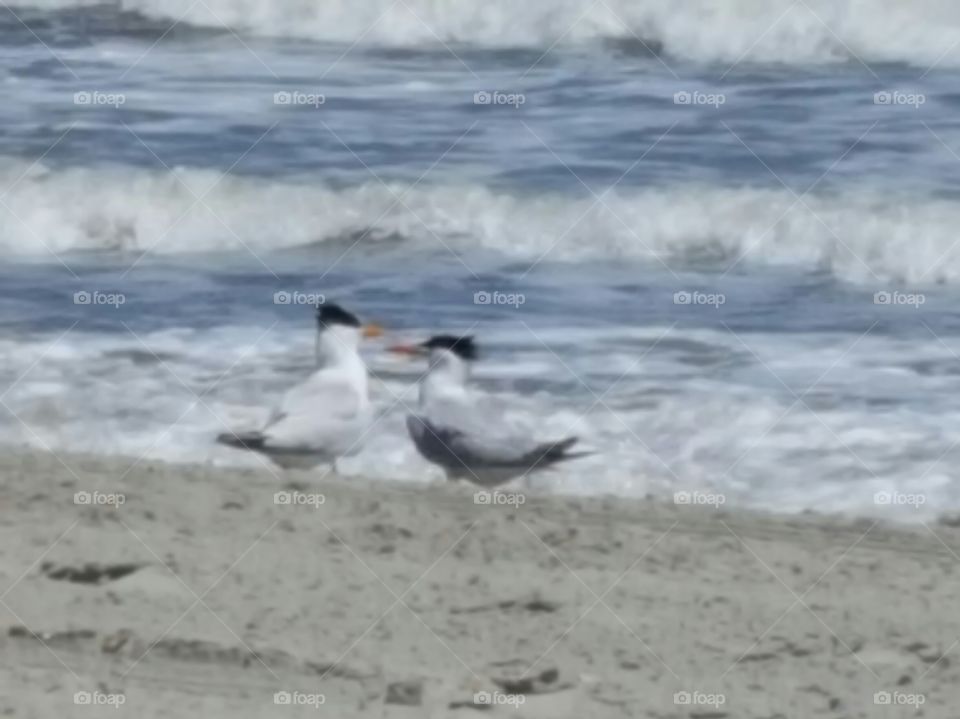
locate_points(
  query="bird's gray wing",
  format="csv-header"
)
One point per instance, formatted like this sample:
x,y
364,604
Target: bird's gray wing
x,y
453,435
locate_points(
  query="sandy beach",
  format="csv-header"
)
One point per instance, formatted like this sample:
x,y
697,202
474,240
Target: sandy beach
x,y
162,590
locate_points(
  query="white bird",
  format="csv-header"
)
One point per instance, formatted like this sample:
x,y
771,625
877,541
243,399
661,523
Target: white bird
x,y
451,430
326,416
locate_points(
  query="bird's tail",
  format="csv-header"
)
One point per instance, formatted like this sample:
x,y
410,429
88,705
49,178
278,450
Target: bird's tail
x,y
242,440
553,452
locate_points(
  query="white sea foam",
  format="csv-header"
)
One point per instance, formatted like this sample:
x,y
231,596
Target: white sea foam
x,y
752,443
863,235
921,32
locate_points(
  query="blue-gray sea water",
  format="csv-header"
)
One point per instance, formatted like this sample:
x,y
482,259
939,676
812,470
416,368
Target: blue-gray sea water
x,y
720,241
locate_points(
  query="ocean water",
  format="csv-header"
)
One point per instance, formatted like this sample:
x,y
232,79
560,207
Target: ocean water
x,y
717,240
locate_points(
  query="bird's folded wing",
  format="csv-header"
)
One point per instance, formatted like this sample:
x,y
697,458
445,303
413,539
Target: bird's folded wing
x,y
472,444
313,413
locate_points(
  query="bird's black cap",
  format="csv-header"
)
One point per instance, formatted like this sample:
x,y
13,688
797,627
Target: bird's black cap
x,y
463,347
331,313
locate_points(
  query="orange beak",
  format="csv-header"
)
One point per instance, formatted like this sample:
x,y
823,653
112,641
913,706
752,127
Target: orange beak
x,y
408,350
370,331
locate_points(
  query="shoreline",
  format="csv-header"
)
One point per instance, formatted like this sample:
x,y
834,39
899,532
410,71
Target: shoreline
x,y
200,595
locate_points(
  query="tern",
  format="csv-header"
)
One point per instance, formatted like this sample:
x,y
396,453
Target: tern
x,y
326,416
450,429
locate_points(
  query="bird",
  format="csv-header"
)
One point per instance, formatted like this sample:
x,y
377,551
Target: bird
x,y
451,430
326,416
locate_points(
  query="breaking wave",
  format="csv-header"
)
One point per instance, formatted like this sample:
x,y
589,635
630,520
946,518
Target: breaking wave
x,y
922,32
861,235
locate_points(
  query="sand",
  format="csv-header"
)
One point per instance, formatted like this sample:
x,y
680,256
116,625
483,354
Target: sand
x,y
199,596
